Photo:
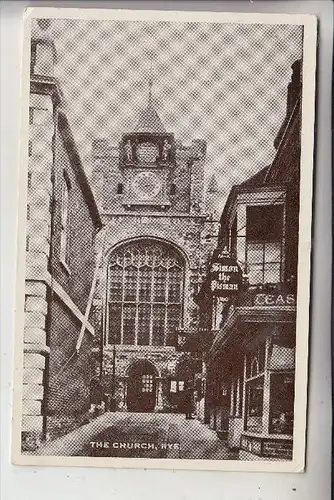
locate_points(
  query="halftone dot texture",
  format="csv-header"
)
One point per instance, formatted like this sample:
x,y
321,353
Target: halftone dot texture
x,y
224,83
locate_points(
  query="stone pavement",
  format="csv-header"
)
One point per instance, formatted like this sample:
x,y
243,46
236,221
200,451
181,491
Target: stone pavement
x,y
142,435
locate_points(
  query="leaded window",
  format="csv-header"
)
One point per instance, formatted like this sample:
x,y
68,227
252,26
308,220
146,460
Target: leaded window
x,y
145,294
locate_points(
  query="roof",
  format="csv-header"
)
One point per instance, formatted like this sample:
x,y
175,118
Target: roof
x,y
256,180
76,164
150,122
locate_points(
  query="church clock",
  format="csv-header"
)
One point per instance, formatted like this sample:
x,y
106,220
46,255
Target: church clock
x,y
146,185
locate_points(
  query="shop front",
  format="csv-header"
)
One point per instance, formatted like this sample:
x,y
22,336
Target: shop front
x,y
251,376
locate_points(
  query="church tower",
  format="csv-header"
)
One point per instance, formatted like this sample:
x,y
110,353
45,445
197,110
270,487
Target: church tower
x,y
212,198
149,188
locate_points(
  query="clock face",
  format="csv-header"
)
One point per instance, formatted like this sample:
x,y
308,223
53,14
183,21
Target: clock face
x,y
146,185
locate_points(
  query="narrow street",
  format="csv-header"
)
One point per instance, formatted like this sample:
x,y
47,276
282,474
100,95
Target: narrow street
x,y
141,435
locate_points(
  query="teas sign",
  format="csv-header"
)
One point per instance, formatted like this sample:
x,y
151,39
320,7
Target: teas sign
x,y
225,275
278,299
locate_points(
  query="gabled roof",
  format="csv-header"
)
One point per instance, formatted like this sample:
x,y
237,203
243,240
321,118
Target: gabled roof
x,y
256,180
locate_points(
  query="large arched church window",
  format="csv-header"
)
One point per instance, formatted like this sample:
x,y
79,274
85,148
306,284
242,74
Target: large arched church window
x,y
145,294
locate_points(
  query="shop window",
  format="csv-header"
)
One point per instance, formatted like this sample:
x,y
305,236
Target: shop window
x,y
254,406
256,360
264,232
65,220
281,403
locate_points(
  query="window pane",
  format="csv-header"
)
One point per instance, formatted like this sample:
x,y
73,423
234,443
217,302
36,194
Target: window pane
x,y
115,321
115,280
264,223
145,279
254,405
272,252
281,403
255,253
160,284
138,277
272,273
174,285
255,274
144,318
147,383
158,328
129,317
173,323
130,284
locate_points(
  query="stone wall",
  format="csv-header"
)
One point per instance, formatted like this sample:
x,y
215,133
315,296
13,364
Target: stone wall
x,y
69,373
37,255
187,175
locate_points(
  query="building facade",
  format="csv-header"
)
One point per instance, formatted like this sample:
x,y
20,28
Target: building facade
x,y
62,221
250,363
150,190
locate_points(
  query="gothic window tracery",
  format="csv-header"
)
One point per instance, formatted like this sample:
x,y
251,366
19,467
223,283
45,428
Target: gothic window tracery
x,y
145,294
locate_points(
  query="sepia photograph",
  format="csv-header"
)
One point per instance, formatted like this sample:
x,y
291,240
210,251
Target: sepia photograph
x,y
164,239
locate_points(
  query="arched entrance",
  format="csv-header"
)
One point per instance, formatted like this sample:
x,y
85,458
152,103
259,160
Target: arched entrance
x,y
142,387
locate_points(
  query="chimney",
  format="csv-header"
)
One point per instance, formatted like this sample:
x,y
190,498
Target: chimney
x,y
294,89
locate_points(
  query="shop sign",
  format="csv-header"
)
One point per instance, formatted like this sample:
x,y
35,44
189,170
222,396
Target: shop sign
x,y
274,299
225,274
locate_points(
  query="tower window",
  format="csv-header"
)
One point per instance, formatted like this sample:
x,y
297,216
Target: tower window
x,y
119,189
173,189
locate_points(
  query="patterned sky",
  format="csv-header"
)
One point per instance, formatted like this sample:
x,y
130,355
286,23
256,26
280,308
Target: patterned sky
x,y
225,83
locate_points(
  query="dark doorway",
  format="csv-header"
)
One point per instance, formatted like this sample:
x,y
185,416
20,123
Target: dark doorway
x,y
141,394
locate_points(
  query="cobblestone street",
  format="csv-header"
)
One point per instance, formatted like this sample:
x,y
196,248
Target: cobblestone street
x,y
141,435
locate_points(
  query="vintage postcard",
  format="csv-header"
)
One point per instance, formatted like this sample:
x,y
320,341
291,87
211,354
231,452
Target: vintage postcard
x,y
164,239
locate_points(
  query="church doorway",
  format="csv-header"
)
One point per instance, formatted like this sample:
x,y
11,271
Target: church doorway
x,y
142,387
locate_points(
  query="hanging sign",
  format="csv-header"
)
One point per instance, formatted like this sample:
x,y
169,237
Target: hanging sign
x,y
225,274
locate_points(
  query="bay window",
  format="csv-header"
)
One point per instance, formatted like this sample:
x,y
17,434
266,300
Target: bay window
x,y
264,234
